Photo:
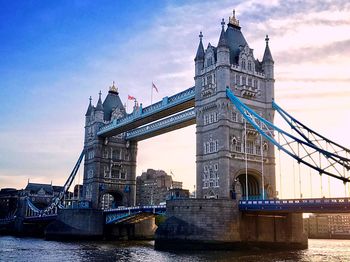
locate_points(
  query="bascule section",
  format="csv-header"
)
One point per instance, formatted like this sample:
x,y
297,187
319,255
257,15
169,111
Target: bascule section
x,y
233,159
110,162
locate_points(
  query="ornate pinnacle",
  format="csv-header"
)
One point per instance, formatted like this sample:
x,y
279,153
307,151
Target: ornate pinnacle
x,y
113,88
233,20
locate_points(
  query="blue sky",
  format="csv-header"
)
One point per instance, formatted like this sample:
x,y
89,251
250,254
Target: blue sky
x,y
55,54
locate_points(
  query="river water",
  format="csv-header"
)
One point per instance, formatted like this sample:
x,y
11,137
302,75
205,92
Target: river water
x,y
34,249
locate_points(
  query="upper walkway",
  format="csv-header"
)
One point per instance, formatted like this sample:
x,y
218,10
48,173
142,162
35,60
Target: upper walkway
x,y
166,107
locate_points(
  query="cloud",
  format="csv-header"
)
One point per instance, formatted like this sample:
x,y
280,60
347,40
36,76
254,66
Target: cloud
x,y
314,53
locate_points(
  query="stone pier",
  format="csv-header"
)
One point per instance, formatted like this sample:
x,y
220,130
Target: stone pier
x,y
76,224
218,224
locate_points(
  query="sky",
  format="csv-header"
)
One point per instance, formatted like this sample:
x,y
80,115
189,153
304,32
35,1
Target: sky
x,y
55,54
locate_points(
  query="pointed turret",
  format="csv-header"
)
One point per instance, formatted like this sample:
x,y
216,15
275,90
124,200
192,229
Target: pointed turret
x,y
267,62
200,50
199,59
222,40
88,112
99,106
267,54
99,109
223,51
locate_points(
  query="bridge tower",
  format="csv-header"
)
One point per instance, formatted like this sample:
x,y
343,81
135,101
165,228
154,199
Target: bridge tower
x,y
228,150
110,163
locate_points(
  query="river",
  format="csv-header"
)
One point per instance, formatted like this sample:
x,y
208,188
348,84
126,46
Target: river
x,y
35,249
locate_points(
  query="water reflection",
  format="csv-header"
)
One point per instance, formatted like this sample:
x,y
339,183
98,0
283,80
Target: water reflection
x,y
31,249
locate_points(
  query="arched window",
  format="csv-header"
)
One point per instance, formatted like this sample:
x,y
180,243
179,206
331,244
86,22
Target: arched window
x,y
243,63
249,66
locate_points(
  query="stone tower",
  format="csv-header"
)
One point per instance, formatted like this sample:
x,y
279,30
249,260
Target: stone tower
x,y
231,156
110,163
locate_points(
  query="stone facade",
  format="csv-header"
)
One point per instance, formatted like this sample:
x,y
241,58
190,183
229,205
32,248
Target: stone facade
x,y
110,163
223,140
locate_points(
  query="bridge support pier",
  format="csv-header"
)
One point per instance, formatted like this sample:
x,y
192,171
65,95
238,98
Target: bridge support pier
x,y
218,224
76,224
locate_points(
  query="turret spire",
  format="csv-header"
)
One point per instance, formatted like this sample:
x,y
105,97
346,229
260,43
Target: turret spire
x,y
99,106
267,54
88,112
200,50
222,39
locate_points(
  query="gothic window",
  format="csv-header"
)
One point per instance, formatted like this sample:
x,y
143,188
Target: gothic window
x,y
105,153
115,172
116,154
249,81
216,145
209,79
90,154
243,64
249,66
234,116
211,118
244,81
122,175
211,147
203,81
239,146
216,167
238,79
257,149
106,171
255,83
250,147
206,119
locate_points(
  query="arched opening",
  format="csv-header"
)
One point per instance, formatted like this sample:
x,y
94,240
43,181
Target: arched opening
x,y
111,200
253,186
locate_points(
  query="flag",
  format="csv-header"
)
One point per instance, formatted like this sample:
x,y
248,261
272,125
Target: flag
x,y
154,86
131,97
